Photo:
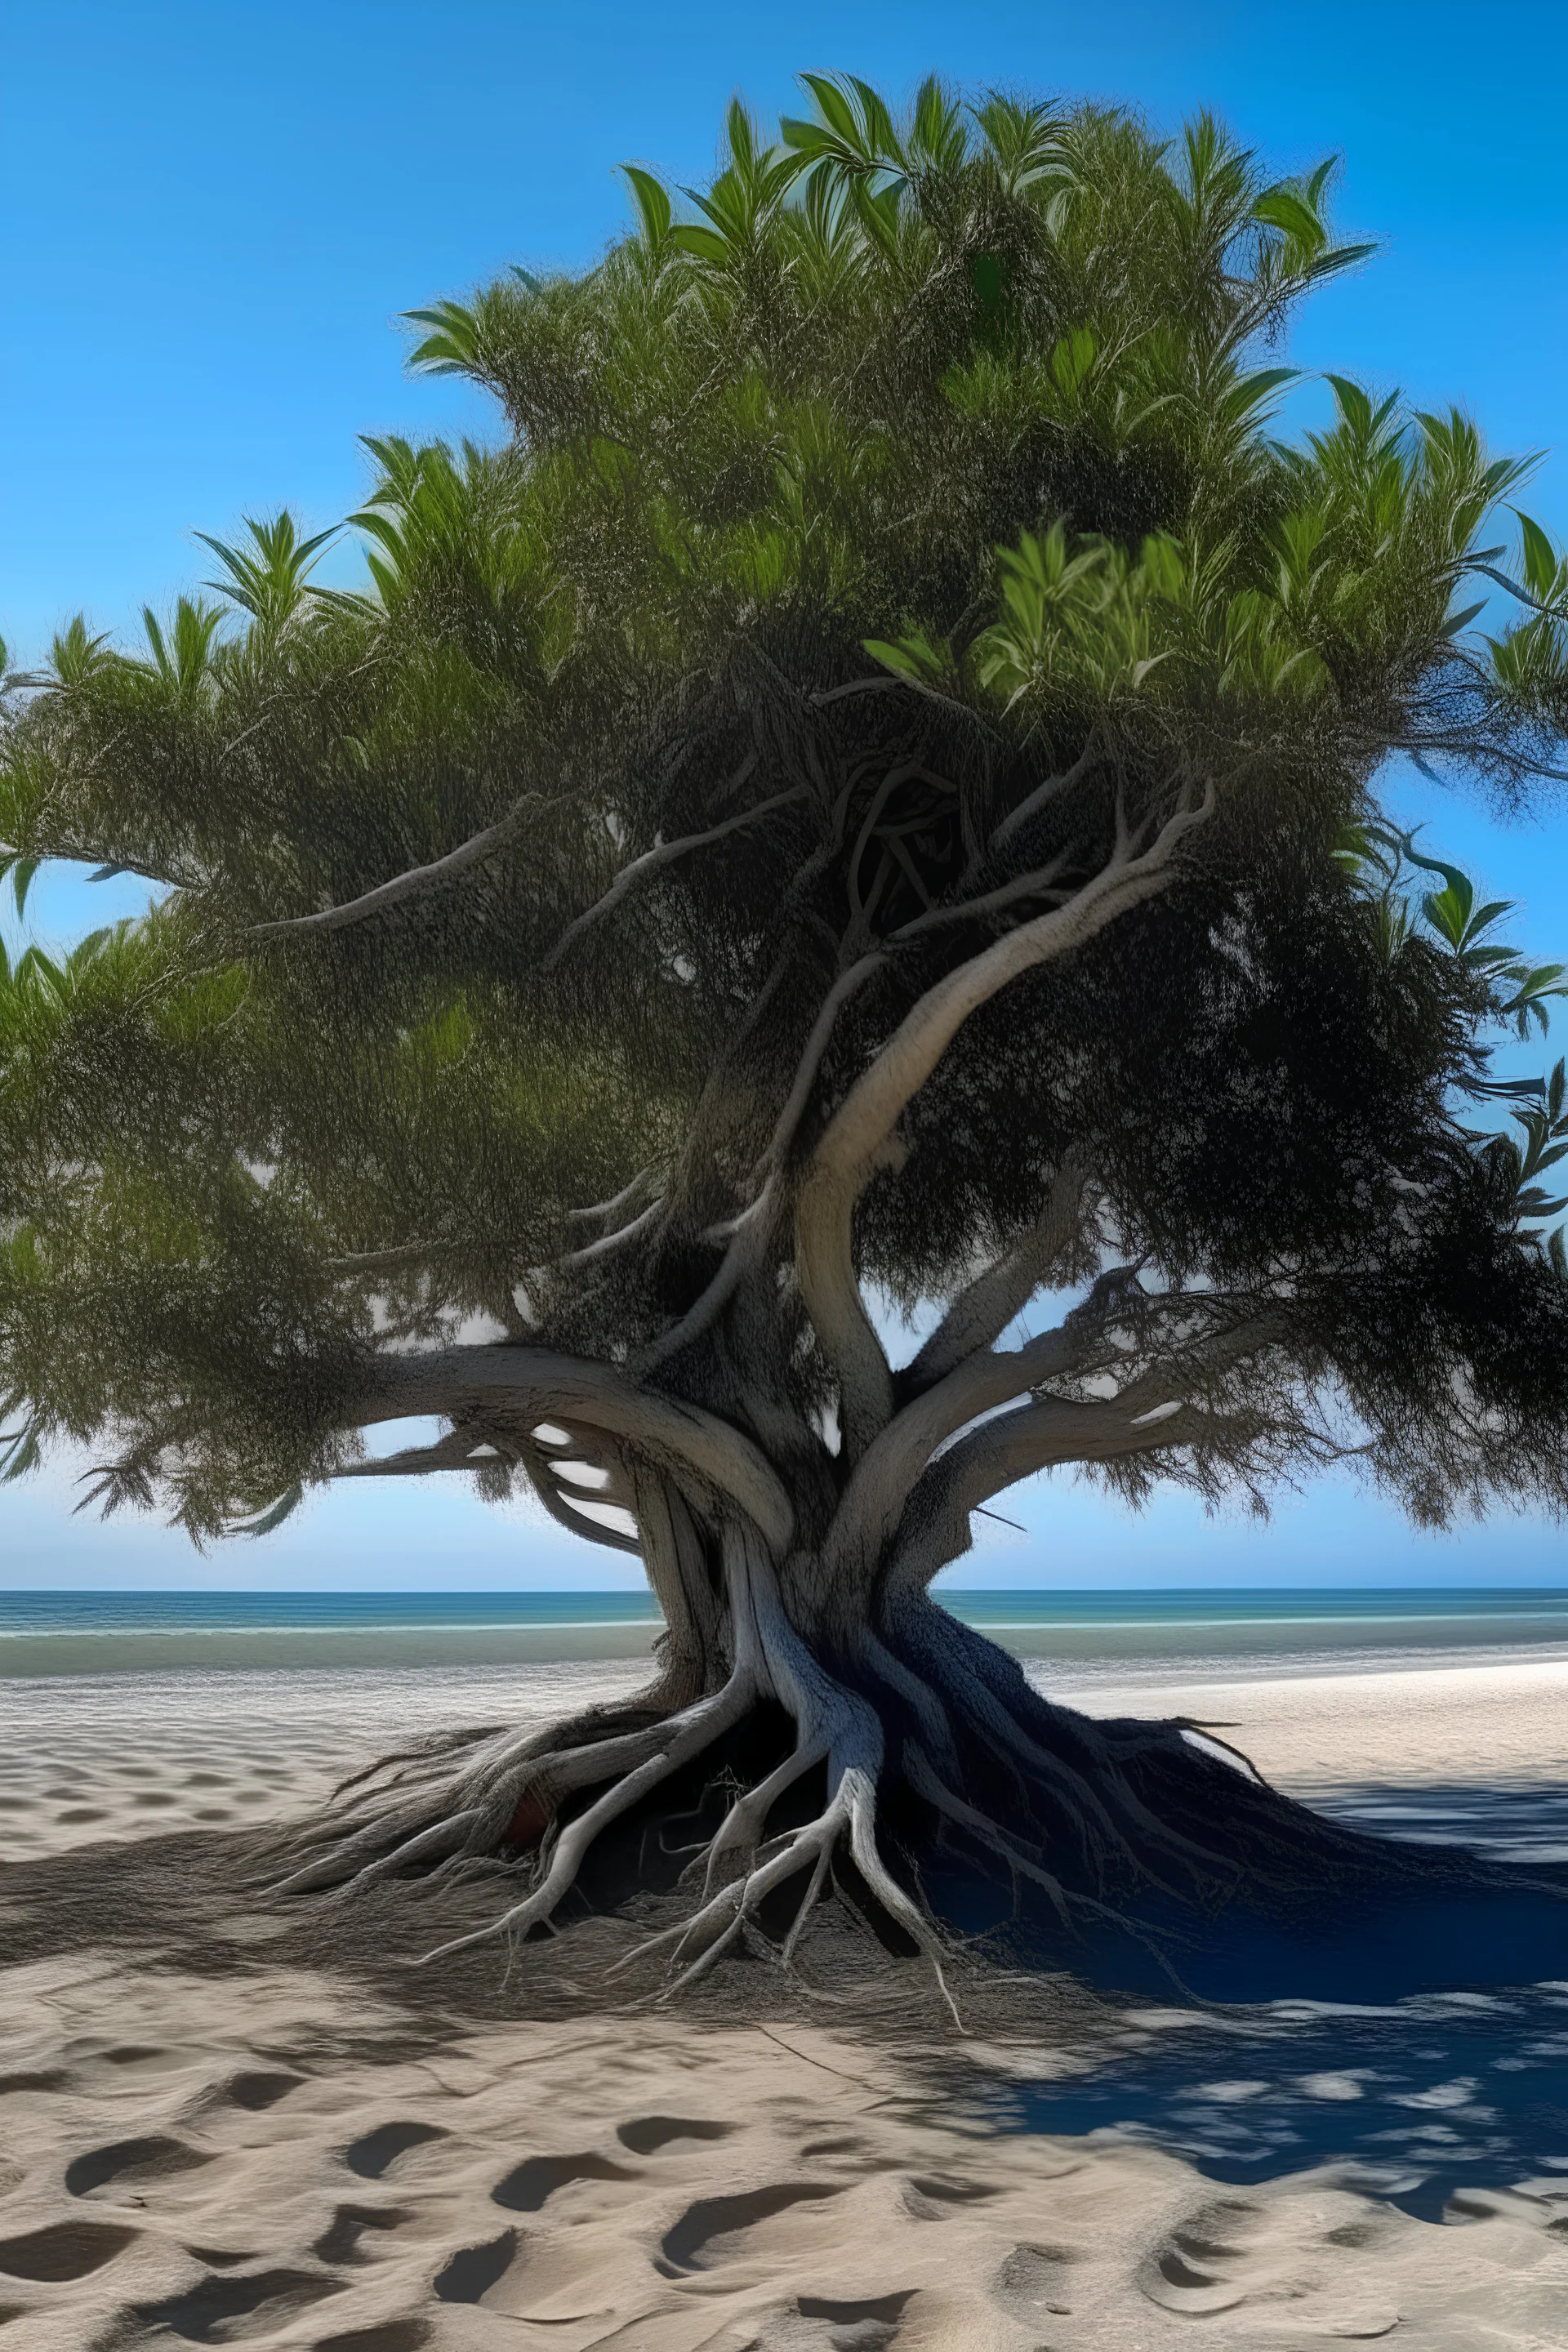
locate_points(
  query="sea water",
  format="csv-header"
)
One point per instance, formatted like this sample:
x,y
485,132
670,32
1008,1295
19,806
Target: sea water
x,y
1267,1630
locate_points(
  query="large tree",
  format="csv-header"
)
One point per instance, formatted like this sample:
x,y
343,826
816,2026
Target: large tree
x,y
864,800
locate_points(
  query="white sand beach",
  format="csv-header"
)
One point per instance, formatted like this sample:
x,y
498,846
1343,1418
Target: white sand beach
x,y
261,2149
92,1756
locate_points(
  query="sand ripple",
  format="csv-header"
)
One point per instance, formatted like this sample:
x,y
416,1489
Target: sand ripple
x,y
278,2161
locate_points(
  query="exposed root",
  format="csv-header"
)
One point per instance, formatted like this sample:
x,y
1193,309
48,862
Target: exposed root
x,y
923,1780
685,1736
924,1725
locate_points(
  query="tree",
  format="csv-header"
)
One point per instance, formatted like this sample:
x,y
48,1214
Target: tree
x,y
870,793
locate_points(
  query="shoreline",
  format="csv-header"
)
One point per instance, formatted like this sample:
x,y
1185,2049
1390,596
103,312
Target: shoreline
x,y
1168,1650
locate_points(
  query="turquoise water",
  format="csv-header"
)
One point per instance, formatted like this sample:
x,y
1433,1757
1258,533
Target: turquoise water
x,y
185,1612
98,1633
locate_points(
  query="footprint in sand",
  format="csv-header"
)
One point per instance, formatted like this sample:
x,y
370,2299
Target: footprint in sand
x,y
338,2241
371,2155
130,2162
525,2190
694,2236
257,2091
226,2310
474,2269
1031,2281
1201,2268
390,2335
866,2327
927,2198
1228,2252
645,2135
66,2250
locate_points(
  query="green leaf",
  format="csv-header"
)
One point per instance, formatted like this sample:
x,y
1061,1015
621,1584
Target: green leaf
x,y
1448,910
1283,209
1250,391
1319,181
22,881
1453,876
1354,407
24,1454
837,111
1457,621
705,244
913,657
1540,558
654,209
1338,256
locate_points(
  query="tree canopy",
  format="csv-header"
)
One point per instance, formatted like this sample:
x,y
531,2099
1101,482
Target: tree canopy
x,y
869,786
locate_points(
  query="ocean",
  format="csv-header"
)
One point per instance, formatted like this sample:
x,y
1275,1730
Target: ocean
x,y
1268,1630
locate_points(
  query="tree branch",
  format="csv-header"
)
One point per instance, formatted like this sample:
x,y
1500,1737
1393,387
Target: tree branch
x,y
664,854
621,1200
846,1156
388,1260
1052,1430
404,885
879,1492
608,1243
990,902
749,1232
537,1469
982,1312
1043,794
548,1386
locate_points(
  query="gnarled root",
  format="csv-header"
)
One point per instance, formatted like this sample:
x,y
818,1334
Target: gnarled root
x,y
918,1729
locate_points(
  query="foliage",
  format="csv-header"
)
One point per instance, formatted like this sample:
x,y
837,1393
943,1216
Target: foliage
x,y
903,515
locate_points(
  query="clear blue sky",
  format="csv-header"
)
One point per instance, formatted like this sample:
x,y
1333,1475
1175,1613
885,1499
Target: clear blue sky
x,y
213,216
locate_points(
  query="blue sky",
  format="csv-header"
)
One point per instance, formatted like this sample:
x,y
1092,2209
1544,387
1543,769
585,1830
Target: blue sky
x,y
214,215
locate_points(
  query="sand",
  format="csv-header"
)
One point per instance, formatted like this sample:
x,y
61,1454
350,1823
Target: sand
x,y
1486,1723
275,2147
91,1757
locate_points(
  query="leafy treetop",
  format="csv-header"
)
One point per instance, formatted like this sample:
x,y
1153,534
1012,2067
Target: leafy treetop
x,y
887,545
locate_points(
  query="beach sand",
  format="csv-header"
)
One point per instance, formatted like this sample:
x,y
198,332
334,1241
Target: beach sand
x,y
231,2137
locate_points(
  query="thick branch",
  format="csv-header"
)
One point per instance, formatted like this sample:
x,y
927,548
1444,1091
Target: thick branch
x,y
982,1312
1039,884
547,1386
457,1451
750,1232
859,1131
877,1494
1043,794
1159,1410
559,1506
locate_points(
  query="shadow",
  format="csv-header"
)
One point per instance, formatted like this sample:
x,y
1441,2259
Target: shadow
x,y
1414,2102
1417,2043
